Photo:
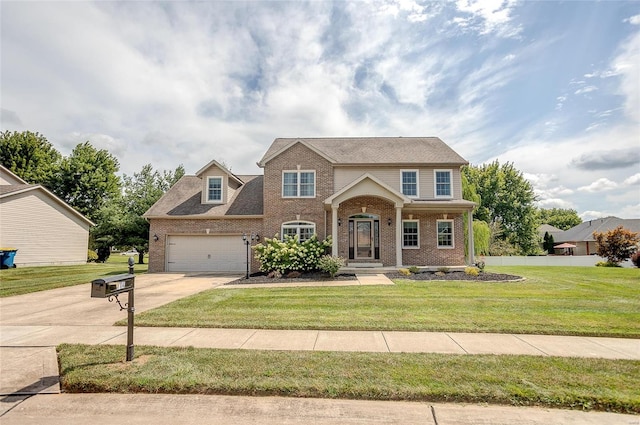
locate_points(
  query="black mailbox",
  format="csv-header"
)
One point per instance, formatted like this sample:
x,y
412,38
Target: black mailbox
x,y
112,285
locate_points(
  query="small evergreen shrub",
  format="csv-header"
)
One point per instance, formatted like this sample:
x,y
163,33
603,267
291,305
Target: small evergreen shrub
x,y
471,271
439,273
330,264
404,272
414,269
443,270
607,264
480,265
92,256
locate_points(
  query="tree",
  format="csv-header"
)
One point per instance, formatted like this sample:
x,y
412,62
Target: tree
x,y
87,180
122,224
29,155
506,198
559,217
616,245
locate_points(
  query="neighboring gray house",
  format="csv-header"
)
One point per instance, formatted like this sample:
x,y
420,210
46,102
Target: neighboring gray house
x,y
582,235
44,229
385,201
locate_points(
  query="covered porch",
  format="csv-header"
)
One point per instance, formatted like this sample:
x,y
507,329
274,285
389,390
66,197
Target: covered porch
x,y
370,224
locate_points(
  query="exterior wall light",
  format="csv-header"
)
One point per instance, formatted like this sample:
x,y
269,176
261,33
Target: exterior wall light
x,y
389,221
155,237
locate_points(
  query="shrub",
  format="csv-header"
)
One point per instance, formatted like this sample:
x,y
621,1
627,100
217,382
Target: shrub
x,y
439,273
414,269
480,265
443,270
290,254
330,264
607,264
92,256
471,271
404,272
635,259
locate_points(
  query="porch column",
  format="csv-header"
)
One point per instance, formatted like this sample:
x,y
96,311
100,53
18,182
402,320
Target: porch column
x,y
334,230
398,236
471,247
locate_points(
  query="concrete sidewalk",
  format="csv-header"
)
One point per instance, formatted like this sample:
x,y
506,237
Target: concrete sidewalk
x,y
169,409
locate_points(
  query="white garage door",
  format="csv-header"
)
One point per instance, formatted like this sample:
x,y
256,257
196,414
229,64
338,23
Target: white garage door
x,y
207,253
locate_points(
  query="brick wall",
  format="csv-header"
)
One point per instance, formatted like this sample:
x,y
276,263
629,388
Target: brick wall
x,y
429,254
277,209
164,227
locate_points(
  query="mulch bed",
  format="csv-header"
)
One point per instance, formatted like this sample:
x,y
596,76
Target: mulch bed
x,y
304,277
324,277
482,277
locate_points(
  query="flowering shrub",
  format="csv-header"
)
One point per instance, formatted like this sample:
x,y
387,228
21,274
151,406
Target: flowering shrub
x,y
290,254
330,264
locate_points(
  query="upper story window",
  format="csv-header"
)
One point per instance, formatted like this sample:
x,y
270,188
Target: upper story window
x,y
410,234
409,182
445,233
443,184
303,229
298,184
214,189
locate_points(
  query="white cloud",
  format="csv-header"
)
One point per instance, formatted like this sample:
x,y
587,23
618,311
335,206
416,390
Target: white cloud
x,y
587,89
600,185
492,16
632,180
634,20
555,203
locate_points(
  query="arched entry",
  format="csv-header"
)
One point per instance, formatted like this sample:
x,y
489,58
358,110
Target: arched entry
x,y
364,237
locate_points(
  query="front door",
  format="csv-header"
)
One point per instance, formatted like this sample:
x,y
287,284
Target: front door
x,y
364,239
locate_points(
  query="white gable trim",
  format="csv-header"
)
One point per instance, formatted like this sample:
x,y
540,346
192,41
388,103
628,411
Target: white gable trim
x,y
367,185
220,166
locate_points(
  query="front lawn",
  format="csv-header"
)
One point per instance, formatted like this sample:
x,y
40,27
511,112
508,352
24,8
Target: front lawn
x,y
599,384
23,280
552,300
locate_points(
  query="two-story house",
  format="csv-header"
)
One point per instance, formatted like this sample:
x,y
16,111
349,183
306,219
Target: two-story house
x,y
386,201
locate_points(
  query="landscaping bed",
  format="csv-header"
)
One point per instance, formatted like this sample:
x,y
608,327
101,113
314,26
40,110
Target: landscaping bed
x,y
292,277
455,275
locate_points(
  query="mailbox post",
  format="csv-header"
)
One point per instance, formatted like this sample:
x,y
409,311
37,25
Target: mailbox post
x,y
112,286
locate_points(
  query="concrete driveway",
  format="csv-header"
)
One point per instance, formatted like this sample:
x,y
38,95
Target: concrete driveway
x,y
73,305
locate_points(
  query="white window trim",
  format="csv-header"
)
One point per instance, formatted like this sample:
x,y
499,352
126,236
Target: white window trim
x,y
453,238
435,184
215,201
297,224
418,234
298,172
417,195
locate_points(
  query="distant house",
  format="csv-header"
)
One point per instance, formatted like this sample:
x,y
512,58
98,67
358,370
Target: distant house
x,y
582,235
385,201
43,228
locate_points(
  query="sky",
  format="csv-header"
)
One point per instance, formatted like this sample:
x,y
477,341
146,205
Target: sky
x,y
552,87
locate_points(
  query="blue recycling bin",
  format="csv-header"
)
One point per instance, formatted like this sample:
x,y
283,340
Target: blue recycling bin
x,y
6,258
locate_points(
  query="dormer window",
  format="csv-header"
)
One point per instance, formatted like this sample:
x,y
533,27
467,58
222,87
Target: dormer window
x,y
299,184
214,189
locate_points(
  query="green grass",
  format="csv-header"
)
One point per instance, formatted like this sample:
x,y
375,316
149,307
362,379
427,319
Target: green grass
x,y
598,384
23,280
552,300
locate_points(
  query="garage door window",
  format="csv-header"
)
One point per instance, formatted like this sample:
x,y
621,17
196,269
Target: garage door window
x,y
303,229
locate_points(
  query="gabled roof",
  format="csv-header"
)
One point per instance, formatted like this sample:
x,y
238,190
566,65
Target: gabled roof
x,y
220,166
183,200
551,230
9,191
9,175
372,150
367,185
583,232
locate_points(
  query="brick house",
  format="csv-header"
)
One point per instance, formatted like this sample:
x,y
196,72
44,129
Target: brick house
x,y
386,202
